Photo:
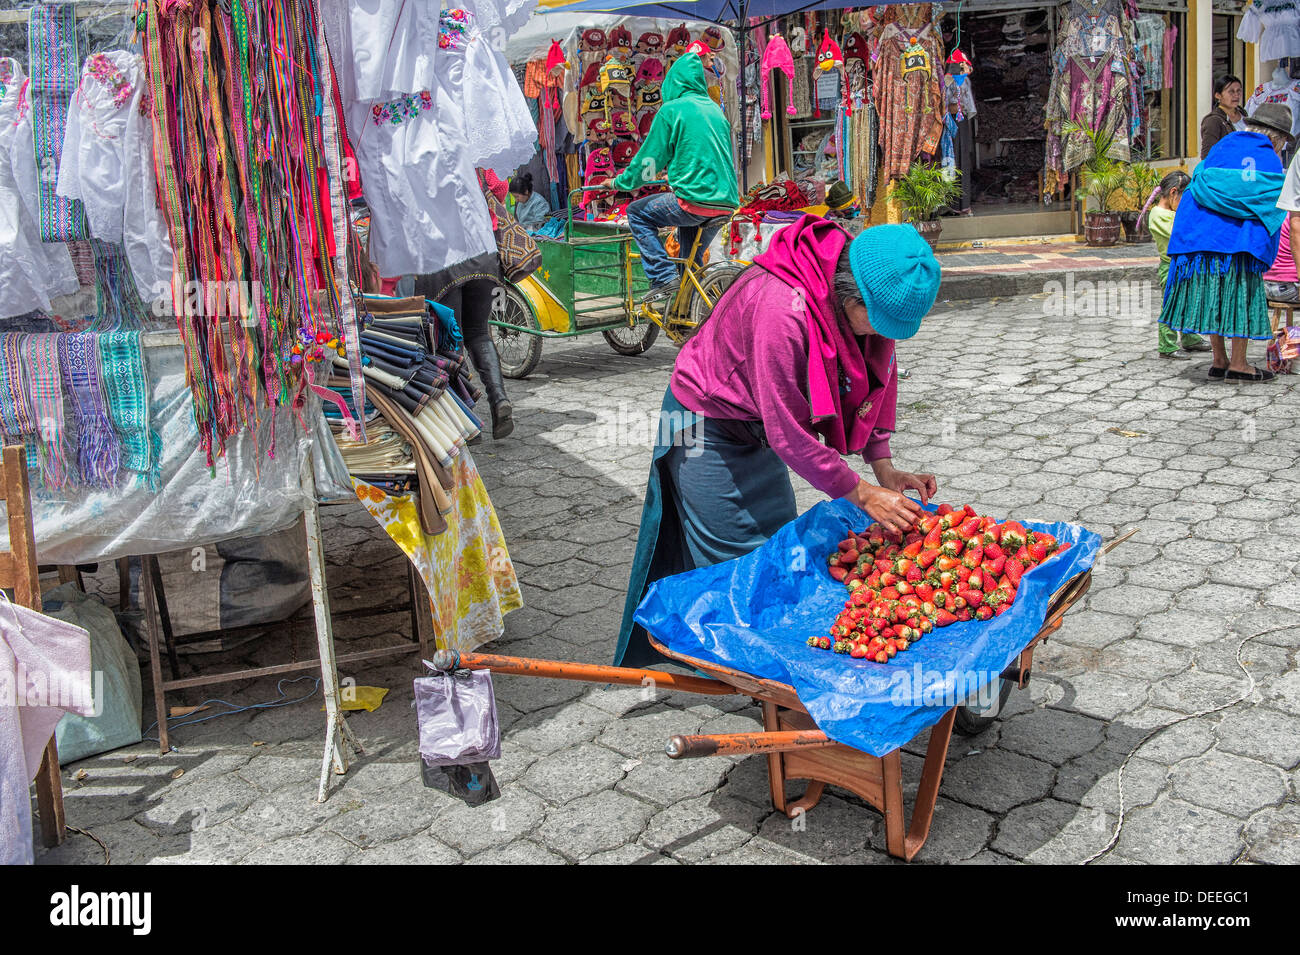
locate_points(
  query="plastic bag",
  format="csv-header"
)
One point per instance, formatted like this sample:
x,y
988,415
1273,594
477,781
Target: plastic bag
x,y
457,717
755,613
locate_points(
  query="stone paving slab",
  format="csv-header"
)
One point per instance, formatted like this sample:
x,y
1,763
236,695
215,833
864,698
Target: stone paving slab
x,y
1016,409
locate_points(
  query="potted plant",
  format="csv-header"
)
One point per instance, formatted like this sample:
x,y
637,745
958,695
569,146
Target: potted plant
x,y
1143,178
1103,180
925,190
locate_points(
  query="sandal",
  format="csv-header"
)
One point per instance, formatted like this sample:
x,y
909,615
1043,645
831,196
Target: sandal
x,y
1216,374
1255,374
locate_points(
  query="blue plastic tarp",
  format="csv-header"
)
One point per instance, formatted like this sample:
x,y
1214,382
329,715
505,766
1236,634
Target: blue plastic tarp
x,y
756,613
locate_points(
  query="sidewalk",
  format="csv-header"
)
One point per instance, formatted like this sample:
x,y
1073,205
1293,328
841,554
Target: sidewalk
x,y
1005,267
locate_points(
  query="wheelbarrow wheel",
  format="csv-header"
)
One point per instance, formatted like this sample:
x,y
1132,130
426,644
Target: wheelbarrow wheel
x,y
974,718
715,280
632,340
518,351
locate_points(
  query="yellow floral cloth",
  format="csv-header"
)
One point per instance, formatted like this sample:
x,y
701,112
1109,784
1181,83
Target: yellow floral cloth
x,y
471,581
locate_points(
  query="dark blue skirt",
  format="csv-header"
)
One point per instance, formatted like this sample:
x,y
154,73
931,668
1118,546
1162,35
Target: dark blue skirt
x,y
716,491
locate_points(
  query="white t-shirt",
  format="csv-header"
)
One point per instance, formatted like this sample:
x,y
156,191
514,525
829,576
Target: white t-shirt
x,y
1289,199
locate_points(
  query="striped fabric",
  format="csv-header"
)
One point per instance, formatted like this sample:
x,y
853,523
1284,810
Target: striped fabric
x,y
56,68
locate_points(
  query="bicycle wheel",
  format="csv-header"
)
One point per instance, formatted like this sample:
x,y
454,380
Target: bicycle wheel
x,y
632,340
518,351
715,280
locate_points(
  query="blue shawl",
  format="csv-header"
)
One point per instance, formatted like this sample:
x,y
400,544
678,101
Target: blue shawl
x,y
1230,207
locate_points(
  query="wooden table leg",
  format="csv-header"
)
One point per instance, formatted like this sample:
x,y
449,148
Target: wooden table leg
x,y
892,769
421,615
150,607
928,791
49,797
150,566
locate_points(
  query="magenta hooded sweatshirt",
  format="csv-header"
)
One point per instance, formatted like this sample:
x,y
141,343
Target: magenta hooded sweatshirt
x,y
777,350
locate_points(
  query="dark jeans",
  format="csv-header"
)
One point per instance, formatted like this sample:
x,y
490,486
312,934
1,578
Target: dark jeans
x,y
647,216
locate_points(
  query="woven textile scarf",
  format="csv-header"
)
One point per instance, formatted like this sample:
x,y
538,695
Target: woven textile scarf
x,y
121,362
39,354
56,72
17,417
97,446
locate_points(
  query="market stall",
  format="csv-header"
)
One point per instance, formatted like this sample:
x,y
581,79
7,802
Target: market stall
x,y
184,342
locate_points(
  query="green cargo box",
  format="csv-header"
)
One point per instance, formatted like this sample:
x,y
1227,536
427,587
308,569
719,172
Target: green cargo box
x,y
587,271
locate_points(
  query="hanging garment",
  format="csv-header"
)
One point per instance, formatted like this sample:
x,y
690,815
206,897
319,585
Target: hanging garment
x,y
46,663
1148,39
1092,82
500,131
107,164
803,106
31,272
471,581
1269,92
1274,25
390,46
907,77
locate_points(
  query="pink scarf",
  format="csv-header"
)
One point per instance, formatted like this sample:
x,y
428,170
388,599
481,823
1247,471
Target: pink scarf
x,y
804,255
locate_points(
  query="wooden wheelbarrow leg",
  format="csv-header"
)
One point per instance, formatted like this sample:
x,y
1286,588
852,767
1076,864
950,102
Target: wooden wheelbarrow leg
x,y
906,847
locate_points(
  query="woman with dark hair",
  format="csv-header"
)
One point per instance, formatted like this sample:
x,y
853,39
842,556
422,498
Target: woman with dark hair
x,y
1227,115
531,209
1225,237
794,369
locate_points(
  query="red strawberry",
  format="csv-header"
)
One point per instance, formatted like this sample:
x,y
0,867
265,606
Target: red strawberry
x,y
1063,548
969,527
849,557
881,657
942,618
943,509
946,579
976,580
990,583
984,613
839,573
927,624
925,592
927,557
996,599
965,615
941,599
911,550
1038,552
846,545
927,523
1014,569
934,536
992,551
1013,535
915,575
952,548
972,597
993,566
903,588
889,593
947,563
1022,555
963,574
858,652
992,535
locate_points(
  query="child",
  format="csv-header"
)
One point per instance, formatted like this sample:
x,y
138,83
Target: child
x,y
1160,220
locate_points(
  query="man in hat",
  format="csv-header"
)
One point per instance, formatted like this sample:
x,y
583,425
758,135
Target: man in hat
x,y
689,144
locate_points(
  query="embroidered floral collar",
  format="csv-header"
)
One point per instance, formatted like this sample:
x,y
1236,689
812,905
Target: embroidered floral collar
x,y
105,70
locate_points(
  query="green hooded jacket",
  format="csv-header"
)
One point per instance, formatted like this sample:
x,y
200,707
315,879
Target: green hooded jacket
x,y
689,143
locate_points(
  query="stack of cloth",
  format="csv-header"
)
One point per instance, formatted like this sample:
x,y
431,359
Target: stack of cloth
x,y
419,383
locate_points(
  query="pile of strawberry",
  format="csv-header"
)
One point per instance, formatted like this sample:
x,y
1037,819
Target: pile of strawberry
x,y
953,566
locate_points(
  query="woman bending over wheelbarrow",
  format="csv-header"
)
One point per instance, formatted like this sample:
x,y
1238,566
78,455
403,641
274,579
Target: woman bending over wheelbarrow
x,y
794,369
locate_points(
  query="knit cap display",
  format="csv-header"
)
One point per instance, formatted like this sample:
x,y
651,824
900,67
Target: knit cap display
x,y
777,56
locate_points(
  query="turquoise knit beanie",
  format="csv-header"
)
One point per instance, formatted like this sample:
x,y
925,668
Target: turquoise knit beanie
x,y
898,277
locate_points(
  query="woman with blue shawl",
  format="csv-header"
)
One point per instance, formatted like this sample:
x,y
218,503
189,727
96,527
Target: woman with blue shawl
x,y
1224,240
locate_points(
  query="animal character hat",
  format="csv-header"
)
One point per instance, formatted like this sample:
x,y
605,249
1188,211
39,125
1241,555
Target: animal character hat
x,y
622,152
617,76
650,42
678,39
620,42
651,70
600,165
829,54
713,37
776,56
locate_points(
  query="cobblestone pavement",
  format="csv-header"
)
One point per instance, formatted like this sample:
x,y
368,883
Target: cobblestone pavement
x,y
1044,417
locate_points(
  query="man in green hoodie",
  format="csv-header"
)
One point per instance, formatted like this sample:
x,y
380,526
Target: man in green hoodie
x,y
689,144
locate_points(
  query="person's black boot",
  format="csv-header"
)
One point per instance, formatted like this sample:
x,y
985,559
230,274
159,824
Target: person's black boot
x,y
503,421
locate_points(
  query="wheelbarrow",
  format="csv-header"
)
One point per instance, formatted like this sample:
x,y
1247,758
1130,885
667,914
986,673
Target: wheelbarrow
x,y
795,748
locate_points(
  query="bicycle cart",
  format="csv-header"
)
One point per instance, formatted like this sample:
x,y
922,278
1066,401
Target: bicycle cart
x,y
793,745
591,280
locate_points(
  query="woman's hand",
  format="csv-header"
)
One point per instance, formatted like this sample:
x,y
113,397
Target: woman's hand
x,y
886,505
896,480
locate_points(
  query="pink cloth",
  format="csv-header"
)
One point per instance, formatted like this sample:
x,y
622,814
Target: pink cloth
x,y
46,663
777,56
492,183
773,350
1283,269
